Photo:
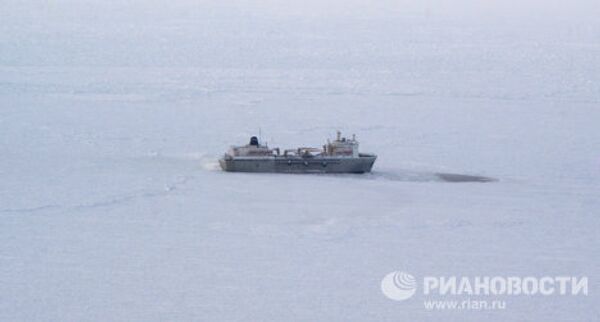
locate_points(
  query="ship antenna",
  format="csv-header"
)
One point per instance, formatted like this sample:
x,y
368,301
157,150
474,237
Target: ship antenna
x,y
259,135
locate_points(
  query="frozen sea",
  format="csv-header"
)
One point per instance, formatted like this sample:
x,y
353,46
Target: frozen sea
x,y
113,116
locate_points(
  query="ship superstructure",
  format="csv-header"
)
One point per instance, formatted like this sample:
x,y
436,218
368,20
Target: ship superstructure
x,y
340,156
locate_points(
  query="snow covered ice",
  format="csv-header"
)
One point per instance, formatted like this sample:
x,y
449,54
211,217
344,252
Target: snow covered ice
x,y
113,116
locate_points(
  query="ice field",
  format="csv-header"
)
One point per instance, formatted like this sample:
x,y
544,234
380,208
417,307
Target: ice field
x,y
113,117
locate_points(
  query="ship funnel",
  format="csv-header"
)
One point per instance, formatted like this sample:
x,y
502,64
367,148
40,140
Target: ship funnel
x,y
339,135
254,141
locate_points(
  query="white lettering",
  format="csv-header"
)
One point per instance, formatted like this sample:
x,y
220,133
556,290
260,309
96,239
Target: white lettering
x,y
546,285
498,285
430,283
530,285
579,285
465,286
447,285
482,285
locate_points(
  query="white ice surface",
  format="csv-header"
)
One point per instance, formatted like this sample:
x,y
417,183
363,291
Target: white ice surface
x,y
112,118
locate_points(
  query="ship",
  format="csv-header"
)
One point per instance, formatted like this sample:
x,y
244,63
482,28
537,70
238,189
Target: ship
x,y
339,156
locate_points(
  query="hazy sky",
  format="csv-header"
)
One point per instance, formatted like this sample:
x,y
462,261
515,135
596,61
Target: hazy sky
x,y
548,9
266,33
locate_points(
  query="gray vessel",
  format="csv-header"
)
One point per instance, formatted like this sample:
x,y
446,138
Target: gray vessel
x,y
339,156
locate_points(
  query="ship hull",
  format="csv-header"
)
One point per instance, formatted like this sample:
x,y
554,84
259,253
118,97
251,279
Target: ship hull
x,y
362,164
